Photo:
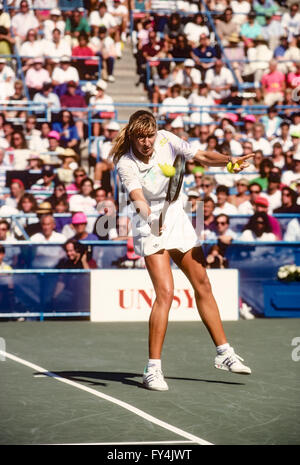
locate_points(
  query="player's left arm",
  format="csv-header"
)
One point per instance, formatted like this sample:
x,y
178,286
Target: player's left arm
x,y
212,158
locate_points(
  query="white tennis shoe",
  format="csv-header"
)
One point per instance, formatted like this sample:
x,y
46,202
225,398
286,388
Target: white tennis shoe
x,y
153,379
232,362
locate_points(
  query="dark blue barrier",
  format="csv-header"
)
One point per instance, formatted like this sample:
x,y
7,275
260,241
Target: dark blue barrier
x,y
44,293
258,264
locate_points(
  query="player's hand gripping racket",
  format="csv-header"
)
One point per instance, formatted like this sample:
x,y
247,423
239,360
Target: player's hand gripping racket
x,y
154,242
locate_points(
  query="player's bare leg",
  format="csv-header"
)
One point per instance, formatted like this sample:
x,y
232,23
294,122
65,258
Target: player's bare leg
x,y
159,269
192,264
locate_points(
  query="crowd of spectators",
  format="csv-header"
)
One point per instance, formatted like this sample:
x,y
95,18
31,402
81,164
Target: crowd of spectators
x,y
224,75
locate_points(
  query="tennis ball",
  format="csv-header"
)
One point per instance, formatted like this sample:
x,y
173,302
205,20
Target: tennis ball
x,y
236,166
230,167
167,170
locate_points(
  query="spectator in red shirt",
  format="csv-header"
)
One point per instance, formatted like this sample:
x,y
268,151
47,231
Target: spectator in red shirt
x,y
86,68
73,100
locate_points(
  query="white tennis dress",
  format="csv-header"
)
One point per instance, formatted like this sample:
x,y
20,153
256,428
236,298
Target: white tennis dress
x,y
134,174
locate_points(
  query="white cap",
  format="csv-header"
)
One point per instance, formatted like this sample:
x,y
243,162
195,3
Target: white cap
x,y
296,156
55,11
113,126
101,84
219,133
177,123
189,63
229,128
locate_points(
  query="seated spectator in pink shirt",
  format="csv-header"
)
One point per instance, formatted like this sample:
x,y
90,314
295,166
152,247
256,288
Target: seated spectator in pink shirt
x,y
86,68
261,204
293,78
79,174
273,84
36,76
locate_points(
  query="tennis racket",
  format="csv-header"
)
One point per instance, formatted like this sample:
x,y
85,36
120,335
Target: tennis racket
x,y
153,242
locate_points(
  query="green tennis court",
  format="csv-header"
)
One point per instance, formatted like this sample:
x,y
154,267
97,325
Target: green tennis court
x,y
92,392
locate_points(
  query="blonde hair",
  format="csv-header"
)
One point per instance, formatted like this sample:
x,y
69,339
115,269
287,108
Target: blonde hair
x,y
140,124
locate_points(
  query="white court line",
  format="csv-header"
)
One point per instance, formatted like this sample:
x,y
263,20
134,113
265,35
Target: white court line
x,y
143,443
118,402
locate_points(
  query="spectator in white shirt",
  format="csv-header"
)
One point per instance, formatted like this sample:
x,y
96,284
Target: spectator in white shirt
x,y
54,22
31,48
101,17
56,47
5,166
259,142
189,77
174,104
23,21
284,137
193,30
47,256
291,20
292,233
105,47
273,193
101,103
222,205
248,207
293,175
240,9
235,147
7,80
219,80
64,73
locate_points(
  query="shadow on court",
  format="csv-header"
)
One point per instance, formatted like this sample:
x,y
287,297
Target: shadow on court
x,y
98,378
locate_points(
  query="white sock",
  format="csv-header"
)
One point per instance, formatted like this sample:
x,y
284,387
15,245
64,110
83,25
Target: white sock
x,y
154,362
222,348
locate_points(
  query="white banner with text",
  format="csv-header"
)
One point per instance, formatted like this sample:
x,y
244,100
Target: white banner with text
x,y
128,295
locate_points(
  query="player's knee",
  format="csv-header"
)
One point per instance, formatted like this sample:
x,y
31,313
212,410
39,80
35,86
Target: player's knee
x,y
203,287
165,295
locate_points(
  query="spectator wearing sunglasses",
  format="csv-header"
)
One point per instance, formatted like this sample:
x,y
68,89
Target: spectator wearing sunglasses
x,y
247,207
288,201
258,229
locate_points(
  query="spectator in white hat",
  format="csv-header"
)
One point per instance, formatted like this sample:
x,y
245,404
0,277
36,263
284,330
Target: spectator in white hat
x,y
36,76
102,105
64,73
104,46
100,151
54,22
189,77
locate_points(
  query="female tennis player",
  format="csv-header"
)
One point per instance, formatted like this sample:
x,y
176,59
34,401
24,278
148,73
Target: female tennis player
x,y
139,151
